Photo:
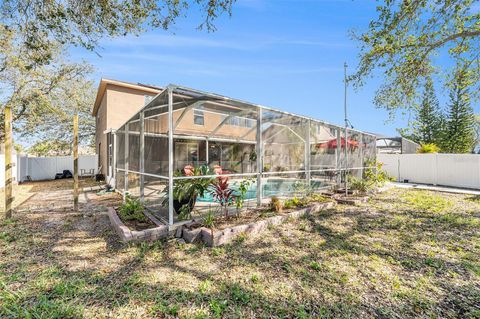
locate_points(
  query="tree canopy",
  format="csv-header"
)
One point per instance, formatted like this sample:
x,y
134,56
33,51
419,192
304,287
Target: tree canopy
x,y
32,80
85,22
72,95
412,39
35,77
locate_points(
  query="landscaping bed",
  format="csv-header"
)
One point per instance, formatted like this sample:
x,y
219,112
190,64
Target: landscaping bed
x,y
136,224
253,222
132,223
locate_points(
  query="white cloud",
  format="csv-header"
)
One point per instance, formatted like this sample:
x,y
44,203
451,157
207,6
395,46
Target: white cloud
x,y
240,43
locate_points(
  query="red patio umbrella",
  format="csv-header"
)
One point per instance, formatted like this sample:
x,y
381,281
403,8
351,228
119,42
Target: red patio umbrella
x,y
333,143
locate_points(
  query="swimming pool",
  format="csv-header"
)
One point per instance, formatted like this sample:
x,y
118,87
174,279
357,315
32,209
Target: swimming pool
x,y
271,187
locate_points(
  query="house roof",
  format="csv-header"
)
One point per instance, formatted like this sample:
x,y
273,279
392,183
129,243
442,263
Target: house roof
x,y
137,86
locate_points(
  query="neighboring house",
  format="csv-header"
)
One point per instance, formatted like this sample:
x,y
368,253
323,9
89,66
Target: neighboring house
x,y
116,102
396,145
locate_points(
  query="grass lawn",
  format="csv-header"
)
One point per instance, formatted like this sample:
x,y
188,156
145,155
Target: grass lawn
x,y
405,254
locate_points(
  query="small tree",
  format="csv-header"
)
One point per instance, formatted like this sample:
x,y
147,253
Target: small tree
x,y
460,132
427,127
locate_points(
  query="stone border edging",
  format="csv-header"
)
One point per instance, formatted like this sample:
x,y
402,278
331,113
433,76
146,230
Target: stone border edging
x,y
224,236
127,235
352,201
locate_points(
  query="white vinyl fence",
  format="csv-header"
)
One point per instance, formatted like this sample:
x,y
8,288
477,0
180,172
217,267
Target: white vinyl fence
x,y
44,168
2,170
456,170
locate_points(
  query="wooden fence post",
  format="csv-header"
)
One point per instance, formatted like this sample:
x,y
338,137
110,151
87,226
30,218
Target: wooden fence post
x,y
8,162
75,161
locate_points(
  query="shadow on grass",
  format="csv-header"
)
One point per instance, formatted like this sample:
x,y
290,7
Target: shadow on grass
x,y
308,268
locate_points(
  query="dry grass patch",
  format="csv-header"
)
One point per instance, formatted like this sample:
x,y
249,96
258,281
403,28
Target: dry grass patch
x,y
390,258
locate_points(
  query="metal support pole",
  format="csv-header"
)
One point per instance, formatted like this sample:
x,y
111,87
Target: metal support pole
x,y
338,152
114,160
346,129
170,156
125,187
259,157
206,152
307,154
8,162
75,161
142,156
361,154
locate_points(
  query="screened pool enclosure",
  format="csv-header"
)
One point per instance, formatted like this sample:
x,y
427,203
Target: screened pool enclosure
x,y
186,139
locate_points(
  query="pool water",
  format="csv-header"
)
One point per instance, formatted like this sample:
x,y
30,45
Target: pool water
x,y
271,187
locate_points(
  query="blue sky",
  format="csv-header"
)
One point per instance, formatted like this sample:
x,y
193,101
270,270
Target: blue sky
x,y
286,54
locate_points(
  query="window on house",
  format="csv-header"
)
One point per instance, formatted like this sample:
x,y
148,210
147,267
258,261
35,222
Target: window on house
x,y
198,117
239,121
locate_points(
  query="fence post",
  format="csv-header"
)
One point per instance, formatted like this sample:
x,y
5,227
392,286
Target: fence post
x,y
8,162
75,161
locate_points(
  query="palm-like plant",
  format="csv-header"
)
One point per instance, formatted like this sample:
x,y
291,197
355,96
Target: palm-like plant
x,y
186,191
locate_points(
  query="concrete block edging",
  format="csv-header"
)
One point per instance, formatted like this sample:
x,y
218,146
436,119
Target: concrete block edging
x,y
127,235
227,235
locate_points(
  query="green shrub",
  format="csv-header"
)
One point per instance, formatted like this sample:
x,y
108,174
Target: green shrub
x,y
319,198
359,184
291,203
428,148
295,202
132,209
374,173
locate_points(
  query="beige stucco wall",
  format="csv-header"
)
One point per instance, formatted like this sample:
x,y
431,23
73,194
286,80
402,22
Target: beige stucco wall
x,y
123,103
211,122
100,138
118,105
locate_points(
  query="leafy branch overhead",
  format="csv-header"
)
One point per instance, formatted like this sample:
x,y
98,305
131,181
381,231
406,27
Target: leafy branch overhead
x,y
407,40
85,22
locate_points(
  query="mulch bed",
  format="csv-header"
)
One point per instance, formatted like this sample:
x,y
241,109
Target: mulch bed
x,y
136,224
